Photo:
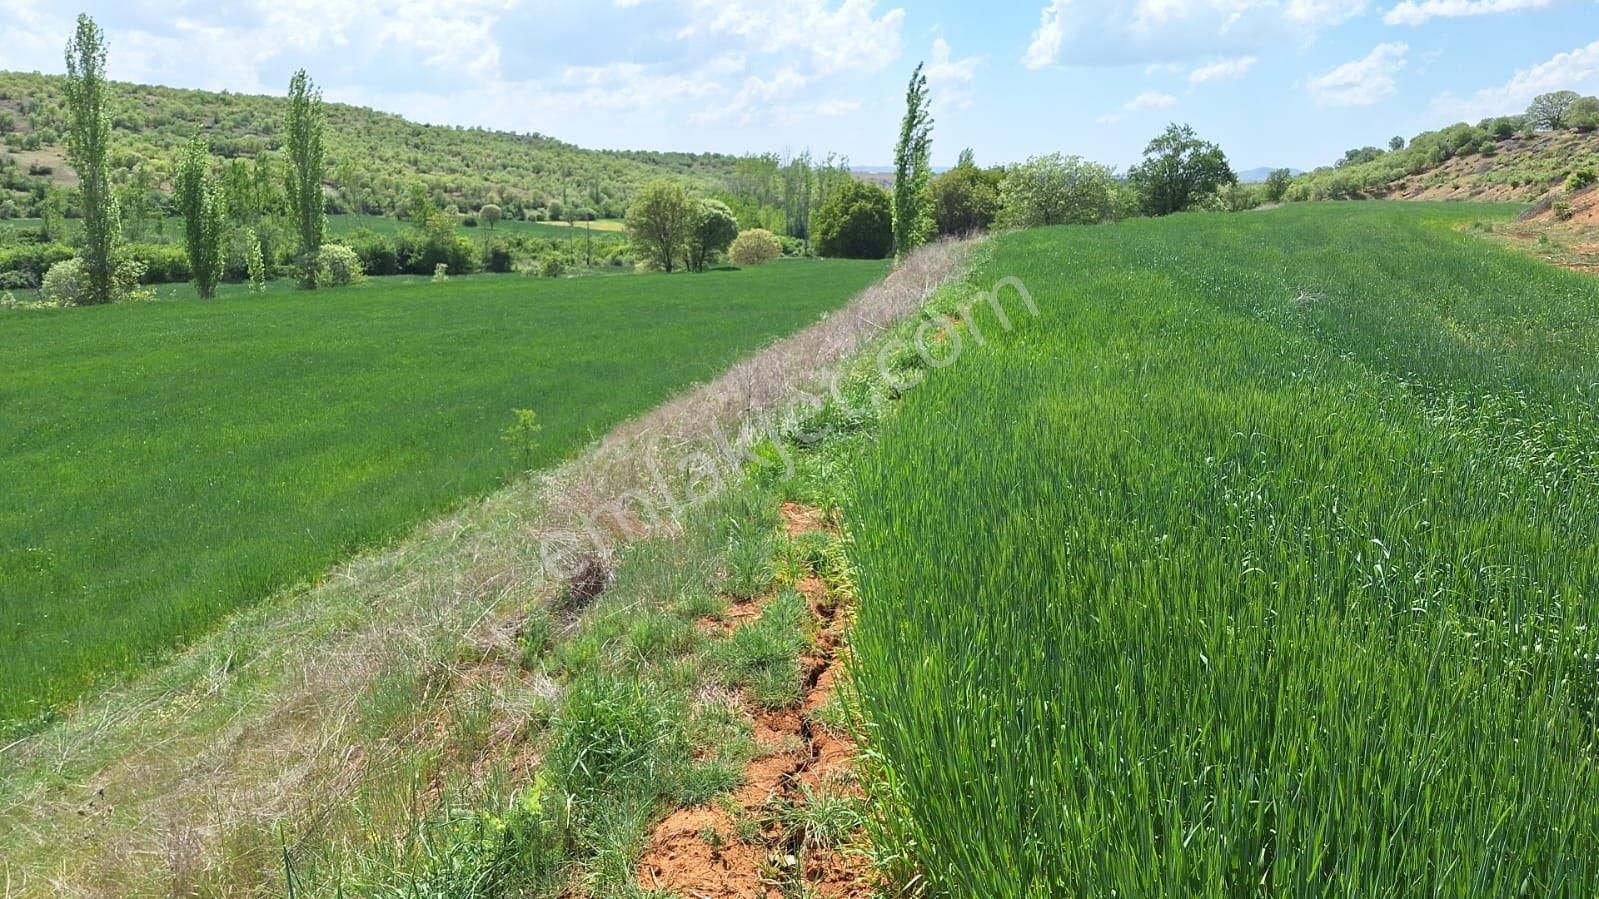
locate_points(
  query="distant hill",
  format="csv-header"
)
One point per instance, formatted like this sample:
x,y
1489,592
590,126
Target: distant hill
x,y
1257,176
380,152
1462,162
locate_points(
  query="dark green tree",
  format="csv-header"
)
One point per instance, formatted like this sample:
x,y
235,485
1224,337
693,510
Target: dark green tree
x,y
856,223
1277,185
303,181
965,199
1178,170
88,143
1548,111
913,221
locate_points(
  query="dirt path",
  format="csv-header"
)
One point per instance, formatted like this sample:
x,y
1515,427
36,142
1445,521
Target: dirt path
x,y
755,843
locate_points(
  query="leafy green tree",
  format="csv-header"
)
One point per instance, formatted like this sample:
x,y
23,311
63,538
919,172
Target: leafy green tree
x,y
1057,190
1583,115
304,177
856,223
1396,143
1178,171
88,143
661,221
913,222
965,198
1548,111
714,230
1277,185
204,209
490,214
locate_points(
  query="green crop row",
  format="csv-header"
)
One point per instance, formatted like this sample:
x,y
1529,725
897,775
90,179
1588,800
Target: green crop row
x,y
1262,562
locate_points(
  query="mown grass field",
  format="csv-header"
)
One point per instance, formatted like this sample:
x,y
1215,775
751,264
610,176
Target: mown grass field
x,y
1261,562
162,464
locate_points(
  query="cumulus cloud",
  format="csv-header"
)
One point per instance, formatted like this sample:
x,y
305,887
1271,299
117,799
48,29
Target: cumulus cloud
x,y
1145,100
1222,70
1121,32
1576,70
1417,12
1361,82
950,79
851,36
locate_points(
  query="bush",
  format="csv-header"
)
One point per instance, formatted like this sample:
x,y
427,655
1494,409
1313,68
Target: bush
x,y
552,267
498,259
1580,179
164,263
379,255
66,283
1058,190
857,223
338,266
441,272
31,261
757,246
1562,210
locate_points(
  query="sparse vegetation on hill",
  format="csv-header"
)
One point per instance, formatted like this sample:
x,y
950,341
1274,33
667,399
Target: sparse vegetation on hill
x,y
1508,158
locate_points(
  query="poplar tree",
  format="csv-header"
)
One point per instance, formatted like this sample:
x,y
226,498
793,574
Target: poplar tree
x,y
88,139
304,177
912,169
204,210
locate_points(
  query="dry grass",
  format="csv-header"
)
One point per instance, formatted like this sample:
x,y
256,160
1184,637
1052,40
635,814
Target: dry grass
x,y
337,709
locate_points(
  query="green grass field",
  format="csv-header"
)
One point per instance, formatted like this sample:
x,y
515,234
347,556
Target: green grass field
x,y
162,464
1262,562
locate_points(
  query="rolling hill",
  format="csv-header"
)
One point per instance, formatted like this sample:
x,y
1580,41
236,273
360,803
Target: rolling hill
x,y
1460,163
373,156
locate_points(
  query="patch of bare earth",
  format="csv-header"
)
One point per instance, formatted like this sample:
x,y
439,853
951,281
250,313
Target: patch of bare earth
x,y
739,847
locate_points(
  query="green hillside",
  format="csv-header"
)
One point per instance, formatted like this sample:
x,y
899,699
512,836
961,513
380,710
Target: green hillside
x,y
373,156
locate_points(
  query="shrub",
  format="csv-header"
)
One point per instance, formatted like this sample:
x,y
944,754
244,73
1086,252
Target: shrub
x,y
552,267
1057,190
857,223
1562,210
67,284
1580,179
441,272
338,266
31,261
497,259
164,263
757,246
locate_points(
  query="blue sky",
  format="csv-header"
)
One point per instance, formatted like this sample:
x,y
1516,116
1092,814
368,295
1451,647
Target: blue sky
x,y
1275,82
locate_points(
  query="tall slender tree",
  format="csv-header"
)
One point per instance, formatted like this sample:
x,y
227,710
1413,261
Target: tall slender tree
x,y
88,140
912,169
305,169
200,199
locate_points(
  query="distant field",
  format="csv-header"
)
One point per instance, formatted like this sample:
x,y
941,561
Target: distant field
x,y
172,228
162,464
1262,562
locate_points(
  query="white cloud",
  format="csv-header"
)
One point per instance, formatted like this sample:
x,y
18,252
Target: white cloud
x,y
1416,12
850,37
1576,70
1363,81
1222,70
950,79
1150,100
1145,100
1121,32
